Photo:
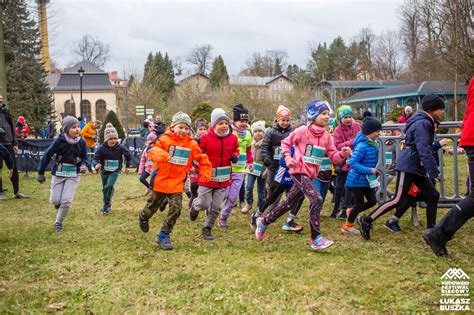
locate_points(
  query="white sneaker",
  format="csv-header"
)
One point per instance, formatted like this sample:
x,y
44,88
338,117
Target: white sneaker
x,y
246,208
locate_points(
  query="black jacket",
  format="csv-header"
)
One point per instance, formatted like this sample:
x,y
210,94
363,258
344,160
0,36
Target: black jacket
x,y
6,156
7,128
116,153
272,139
65,153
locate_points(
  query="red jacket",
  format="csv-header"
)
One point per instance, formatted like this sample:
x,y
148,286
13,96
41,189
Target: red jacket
x,y
467,135
220,151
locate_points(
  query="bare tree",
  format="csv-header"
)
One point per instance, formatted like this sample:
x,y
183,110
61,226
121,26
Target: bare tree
x,y
200,57
92,49
267,65
366,40
178,65
387,55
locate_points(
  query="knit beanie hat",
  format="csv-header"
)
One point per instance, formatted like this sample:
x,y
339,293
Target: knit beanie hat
x,y
408,109
370,124
179,118
342,111
366,114
258,125
217,115
282,112
68,122
240,112
200,123
110,132
316,107
432,102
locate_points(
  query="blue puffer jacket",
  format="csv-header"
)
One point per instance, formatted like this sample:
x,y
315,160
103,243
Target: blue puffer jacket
x,y
364,157
417,156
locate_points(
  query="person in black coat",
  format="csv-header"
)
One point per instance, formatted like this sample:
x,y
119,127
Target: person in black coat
x,y
415,164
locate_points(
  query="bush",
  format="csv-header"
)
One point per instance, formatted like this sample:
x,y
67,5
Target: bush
x,y
202,111
113,119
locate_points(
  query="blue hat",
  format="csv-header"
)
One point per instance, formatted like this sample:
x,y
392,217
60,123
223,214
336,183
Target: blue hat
x,y
343,110
316,107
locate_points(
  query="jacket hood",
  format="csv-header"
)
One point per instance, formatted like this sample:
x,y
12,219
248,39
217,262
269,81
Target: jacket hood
x,y
419,115
359,138
175,136
275,126
318,131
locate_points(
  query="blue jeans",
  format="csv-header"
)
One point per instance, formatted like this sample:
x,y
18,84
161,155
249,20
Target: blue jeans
x,y
260,189
322,187
90,156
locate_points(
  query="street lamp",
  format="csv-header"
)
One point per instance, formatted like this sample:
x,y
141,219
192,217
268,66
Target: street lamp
x,y
81,74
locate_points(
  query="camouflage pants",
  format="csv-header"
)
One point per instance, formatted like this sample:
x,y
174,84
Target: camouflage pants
x,y
153,203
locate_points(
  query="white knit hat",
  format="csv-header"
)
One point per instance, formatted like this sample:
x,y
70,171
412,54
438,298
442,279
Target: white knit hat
x,y
110,132
217,115
258,125
181,118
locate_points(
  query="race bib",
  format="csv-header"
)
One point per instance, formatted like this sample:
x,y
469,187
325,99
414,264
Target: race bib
x,y
221,174
373,182
111,165
179,155
242,161
314,154
257,169
388,158
148,162
276,153
325,164
66,170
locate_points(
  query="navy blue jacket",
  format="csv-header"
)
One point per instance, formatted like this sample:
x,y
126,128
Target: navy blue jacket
x,y
116,153
364,158
65,153
6,156
417,156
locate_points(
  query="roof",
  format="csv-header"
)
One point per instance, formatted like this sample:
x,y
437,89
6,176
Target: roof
x,y
179,78
88,67
380,84
410,90
52,79
253,80
90,82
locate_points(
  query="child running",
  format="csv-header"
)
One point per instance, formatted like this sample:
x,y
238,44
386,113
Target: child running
x,y
313,147
172,155
144,169
201,129
108,159
71,159
415,164
258,131
222,147
241,118
344,136
362,178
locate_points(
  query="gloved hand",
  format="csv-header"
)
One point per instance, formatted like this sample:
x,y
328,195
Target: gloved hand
x,y
234,158
41,179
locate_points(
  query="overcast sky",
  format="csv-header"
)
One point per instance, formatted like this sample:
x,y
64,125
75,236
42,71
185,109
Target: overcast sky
x,y
235,29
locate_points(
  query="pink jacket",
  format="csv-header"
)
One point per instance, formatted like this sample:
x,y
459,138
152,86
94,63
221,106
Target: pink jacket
x,y
344,137
144,166
313,135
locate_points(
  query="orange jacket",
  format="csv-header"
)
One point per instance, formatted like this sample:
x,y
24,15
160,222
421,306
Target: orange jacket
x,y
172,158
89,134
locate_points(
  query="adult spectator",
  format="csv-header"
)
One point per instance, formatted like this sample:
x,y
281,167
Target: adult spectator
x,y
159,125
89,134
407,113
50,129
455,218
7,139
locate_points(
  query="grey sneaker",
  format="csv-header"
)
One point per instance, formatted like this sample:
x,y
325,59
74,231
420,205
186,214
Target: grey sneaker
x,y
20,195
414,217
58,227
3,196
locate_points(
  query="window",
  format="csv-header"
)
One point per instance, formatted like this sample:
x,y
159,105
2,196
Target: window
x,y
100,110
69,108
86,109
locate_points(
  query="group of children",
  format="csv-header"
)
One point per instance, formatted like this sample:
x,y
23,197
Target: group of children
x,y
299,160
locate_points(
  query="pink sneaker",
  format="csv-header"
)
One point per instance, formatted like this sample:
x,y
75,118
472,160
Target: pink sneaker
x,y
260,230
320,243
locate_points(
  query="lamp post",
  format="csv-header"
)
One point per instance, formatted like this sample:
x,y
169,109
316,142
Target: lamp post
x,y
81,74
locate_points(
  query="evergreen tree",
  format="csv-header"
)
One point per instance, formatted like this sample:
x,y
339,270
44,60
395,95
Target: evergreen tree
x,y
113,119
277,68
28,92
202,111
218,75
159,73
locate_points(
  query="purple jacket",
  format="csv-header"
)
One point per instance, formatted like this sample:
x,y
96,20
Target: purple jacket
x,y
344,137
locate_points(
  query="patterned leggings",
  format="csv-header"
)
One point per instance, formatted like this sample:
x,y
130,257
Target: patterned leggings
x,y
302,187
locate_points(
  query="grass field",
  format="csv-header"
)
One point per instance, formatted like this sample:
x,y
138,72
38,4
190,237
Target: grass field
x,y
105,264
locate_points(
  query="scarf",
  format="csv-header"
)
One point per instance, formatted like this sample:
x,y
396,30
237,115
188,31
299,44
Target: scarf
x,y
242,132
71,140
222,135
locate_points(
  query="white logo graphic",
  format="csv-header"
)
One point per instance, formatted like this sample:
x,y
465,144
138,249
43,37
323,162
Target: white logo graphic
x,y
455,273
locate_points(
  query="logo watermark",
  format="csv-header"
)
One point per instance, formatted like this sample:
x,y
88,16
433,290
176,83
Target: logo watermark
x,y
455,291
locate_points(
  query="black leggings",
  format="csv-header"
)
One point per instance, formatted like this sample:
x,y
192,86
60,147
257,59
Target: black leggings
x,y
276,190
15,179
404,182
358,193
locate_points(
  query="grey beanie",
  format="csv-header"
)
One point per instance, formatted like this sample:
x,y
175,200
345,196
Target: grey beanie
x,y
181,118
68,122
217,115
110,132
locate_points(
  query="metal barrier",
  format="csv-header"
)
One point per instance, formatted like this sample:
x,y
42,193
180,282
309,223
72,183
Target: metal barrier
x,y
444,201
